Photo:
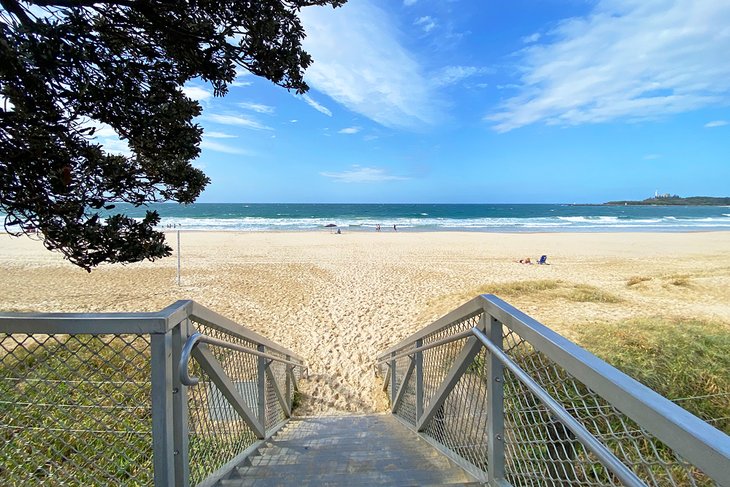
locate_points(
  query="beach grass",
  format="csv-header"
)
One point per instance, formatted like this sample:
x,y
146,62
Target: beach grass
x,y
556,289
685,360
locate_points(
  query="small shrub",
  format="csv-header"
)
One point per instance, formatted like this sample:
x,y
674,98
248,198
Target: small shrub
x,y
296,400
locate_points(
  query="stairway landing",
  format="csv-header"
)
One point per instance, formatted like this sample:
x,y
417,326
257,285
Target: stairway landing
x,y
351,451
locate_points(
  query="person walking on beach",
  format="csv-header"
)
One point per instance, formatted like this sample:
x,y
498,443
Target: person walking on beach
x,y
395,229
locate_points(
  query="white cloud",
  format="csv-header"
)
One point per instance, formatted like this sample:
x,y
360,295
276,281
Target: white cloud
x,y
426,23
219,135
360,174
628,59
197,93
371,73
257,107
227,149
350,130
241,72
409,3
236,120
293,121
531,38
453,74
317,106
716,123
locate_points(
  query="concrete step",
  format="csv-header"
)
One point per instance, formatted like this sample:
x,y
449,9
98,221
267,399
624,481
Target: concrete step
x,y
350,451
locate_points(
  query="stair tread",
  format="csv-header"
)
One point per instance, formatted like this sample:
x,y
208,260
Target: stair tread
x,y
347,450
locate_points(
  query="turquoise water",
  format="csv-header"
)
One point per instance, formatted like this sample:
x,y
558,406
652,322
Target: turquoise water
x,y
438,217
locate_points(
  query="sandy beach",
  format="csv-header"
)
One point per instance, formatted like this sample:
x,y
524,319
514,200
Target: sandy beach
x,y
340,299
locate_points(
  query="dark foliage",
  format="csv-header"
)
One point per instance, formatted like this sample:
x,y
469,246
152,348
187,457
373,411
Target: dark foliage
x,y
675,200
65,64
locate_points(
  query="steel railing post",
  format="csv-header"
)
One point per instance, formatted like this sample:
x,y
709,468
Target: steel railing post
x,y
419,381
393,392
289,371
495,403
163,444
262,387
180,407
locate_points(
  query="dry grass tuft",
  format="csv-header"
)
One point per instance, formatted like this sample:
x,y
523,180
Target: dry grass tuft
x,y
521,288
679,280
582,293
633,281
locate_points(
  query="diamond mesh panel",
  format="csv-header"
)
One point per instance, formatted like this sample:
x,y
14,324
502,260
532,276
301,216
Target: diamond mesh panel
x,y
275,414
460,423
75,410
538,446
539,450
217,433
407,407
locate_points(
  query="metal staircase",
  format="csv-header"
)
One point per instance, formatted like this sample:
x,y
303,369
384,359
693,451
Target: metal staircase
x,y
185,397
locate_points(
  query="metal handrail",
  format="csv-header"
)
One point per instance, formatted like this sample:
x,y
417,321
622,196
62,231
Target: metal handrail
x,y
584,436
463,312
132,323
428,346
197,337
203,315
687,435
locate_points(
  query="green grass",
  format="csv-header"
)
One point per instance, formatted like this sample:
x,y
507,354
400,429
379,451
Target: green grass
x,y
79,414
678,358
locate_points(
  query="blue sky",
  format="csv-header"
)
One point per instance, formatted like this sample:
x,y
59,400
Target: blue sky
x,y
476,101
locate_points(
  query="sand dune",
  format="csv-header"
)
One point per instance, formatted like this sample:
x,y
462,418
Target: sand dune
x,y
340,299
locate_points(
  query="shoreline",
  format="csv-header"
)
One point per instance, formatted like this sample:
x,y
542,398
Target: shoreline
x,y
511,231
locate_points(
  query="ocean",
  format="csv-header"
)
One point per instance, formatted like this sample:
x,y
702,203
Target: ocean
x,y
438,217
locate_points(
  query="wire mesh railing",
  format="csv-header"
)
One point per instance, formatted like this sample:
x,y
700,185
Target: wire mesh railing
x,y
97,399
516,404
75,409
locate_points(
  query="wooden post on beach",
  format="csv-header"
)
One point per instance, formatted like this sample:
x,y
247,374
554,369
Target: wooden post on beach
x,y
178,257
